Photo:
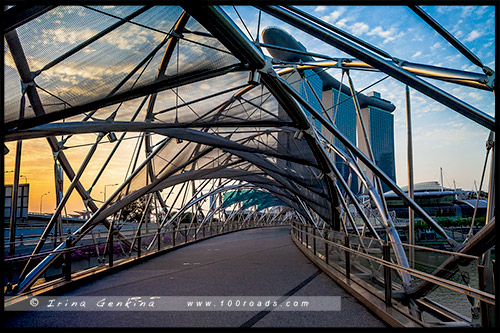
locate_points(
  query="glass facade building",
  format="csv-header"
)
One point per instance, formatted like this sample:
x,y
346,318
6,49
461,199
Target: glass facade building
x,y
344,117
381,125
308,94
380,128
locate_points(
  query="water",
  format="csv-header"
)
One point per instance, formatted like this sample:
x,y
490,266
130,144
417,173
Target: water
x,y
428,261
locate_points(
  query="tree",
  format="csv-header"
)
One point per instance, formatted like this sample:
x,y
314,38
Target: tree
x,y
134,210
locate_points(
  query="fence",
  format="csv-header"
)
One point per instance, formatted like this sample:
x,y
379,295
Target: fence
x,y
372,264
94,253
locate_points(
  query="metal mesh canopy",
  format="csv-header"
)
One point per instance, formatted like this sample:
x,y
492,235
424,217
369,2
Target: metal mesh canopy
x,y
201,85
101,68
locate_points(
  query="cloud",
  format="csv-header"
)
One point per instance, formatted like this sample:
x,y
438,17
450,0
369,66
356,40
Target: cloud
x,y
333,16
320,9
473,35
388,35
205,86
416,54
444,9
457,26
359,28
481,10
436,46
342,22
132,37
475,95
467,11
65,35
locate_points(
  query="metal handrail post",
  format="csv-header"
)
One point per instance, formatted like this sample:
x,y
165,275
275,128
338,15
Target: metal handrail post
x,y
347,257
386,252
67,258
307,236
110,248
139,242
159,238
326,246
314,240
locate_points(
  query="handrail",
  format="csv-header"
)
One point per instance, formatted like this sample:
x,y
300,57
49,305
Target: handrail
x,y
440,251
418,247
481,295
214,229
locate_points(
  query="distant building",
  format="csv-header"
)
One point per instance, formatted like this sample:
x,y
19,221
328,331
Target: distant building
x,y
438,202
22,201
287,142
344,117
379,123
305,91
380,128
376,112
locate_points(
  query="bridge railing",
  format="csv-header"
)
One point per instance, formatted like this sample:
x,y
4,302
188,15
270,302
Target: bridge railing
x,y
105,250
370,264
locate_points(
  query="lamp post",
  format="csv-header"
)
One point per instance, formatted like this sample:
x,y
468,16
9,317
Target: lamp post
x,y
105,190
11,171
41,197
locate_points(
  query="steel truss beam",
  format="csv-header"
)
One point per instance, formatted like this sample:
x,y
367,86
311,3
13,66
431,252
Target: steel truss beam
x,y
169,50
82,231
221,26
193,201
18,15
19,57
455,76
248,176
376,61
389,225
101,214
373,167
82,127
147,89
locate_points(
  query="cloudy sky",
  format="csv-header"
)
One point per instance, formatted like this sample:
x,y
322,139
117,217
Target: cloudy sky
x,y
442,137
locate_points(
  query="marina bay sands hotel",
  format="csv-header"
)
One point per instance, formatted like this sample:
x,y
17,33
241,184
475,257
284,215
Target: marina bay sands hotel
x,y
376,112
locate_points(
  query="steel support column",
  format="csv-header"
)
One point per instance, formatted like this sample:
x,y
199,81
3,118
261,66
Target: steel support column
x,y
409,140
371,165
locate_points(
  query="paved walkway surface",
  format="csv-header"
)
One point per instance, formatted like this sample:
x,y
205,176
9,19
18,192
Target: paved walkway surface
x,y
258,262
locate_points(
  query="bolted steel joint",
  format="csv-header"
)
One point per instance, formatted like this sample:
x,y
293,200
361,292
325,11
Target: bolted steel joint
x,y
25,85
254,78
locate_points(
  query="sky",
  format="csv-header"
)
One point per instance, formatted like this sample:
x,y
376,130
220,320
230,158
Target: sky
x,y
442,138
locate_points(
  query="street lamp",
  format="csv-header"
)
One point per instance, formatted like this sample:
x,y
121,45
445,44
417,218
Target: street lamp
x,y
11,171
105,190
41,201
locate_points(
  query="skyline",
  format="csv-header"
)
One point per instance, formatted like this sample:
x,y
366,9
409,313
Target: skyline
x,y
462,143
401,33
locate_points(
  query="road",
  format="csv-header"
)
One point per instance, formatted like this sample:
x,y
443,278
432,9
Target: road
x,y
258,262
